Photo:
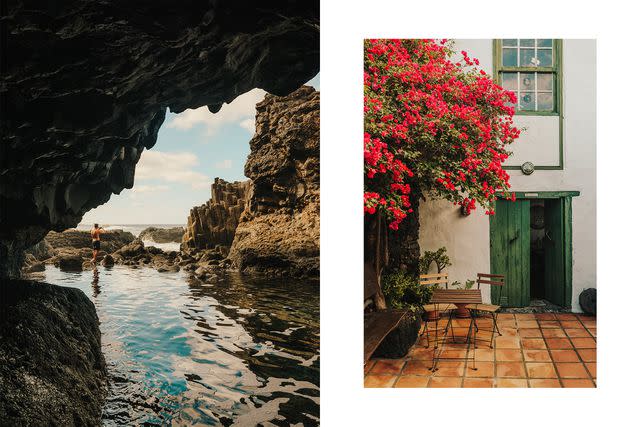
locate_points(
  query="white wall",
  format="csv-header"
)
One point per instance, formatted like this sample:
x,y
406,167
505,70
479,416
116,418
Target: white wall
x,y
467,238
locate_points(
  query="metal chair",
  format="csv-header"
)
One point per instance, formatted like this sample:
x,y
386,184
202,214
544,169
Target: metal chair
x,y
493,280
430,280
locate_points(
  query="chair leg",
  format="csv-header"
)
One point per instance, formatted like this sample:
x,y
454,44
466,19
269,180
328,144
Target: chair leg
x,y
435,344
426,332
475,345
436,353
495,322
495,328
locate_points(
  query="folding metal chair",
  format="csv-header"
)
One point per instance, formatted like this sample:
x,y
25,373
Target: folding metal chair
x,y
493,280
430,280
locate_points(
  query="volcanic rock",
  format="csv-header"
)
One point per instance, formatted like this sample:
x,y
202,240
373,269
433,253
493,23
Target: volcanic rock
x,y
41,250
52,371
108,261
133,249
162,235
213,224
35,267
88,85
279,230
70,263
110,241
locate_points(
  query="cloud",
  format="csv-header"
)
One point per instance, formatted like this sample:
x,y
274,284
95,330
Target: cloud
x,y
170,167
241,112
149,188
225,164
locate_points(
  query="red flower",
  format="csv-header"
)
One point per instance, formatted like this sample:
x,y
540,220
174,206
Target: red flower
x,y
445,124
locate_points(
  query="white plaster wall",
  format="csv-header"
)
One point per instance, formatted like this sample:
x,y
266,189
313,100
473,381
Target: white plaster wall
x,y
467,238
539,141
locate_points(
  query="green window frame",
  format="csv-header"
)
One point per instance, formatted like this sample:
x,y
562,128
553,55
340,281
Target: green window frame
x,y
533,83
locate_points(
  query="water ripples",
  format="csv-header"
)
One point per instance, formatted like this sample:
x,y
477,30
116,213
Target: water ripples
x,y
243,351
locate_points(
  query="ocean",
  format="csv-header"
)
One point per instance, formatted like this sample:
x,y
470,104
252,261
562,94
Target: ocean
x,y
136,229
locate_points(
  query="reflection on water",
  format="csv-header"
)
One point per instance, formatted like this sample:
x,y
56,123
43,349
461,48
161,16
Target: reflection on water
x,y
239,352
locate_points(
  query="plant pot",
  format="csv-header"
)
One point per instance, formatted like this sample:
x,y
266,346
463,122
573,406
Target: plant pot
x,y
462,312
433,315
398,342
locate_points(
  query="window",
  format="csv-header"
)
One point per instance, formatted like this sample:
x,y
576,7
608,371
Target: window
x,y
529,67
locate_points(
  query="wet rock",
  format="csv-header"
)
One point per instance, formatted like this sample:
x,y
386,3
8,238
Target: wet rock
x,y
89,84
154,250
168,268
35,267
69,263
279,230
162,235
133,249
52,371
108,261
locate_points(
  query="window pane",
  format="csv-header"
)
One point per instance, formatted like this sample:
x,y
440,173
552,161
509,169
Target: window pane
x,y
510,57
545,81
526,42
544,42
526,55
526,81
545,101
527,101
545,57
510,81
510,42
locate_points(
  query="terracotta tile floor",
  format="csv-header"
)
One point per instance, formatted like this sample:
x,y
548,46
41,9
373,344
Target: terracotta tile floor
x,y
535,350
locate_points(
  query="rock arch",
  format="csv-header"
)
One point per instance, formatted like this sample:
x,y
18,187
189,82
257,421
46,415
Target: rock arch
x,y
84,88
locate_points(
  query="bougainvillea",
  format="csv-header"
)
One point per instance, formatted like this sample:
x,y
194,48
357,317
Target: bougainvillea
x,y
432,123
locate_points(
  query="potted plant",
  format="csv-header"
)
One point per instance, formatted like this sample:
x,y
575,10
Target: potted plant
x,y
463,312
441,260
403,291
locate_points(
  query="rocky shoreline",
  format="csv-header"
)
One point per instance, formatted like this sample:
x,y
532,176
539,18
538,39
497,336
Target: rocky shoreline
x,y
71,251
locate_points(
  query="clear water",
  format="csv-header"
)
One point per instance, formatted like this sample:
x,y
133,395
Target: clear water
x,y
244,351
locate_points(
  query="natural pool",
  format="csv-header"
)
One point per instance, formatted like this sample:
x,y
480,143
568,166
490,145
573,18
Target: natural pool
x,y
243,351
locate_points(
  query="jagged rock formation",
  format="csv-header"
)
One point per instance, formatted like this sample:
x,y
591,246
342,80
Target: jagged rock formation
x,y
213,224
162,235
86,85
52,371
279,230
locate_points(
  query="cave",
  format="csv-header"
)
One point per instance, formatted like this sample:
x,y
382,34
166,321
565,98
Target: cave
x,y
85,87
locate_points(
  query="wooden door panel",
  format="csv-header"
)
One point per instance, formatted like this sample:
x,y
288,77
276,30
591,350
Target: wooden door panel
x,y
510,252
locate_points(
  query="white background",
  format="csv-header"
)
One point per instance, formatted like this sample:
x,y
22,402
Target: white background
x,y
344,401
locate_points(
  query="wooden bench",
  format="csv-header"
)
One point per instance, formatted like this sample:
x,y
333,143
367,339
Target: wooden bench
x,y
377,324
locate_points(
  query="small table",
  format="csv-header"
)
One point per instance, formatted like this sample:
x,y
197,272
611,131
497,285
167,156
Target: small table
x,y
459,297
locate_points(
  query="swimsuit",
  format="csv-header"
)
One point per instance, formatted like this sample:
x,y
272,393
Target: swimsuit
x,y
95,241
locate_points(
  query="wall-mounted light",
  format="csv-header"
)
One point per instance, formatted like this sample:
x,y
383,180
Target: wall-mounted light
x,y
527,168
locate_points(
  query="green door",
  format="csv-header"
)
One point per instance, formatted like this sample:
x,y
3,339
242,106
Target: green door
x,y
510,251
557,250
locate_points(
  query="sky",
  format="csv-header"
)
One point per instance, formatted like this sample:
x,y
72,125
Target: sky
x,y
192,149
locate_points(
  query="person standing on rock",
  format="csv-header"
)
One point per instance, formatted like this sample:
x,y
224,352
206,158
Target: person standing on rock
x,y
95,240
